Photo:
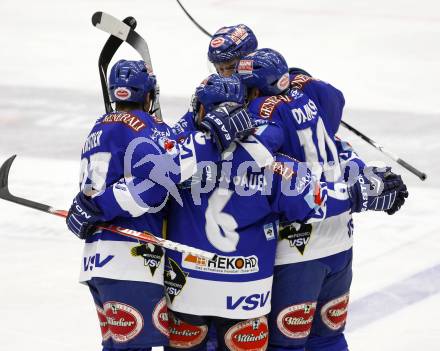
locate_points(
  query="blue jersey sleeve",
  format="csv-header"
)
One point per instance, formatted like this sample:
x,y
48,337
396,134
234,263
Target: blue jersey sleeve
x,y
151,166
297,196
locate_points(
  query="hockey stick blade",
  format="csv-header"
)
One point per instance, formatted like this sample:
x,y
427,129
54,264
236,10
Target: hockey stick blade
x,y
111,25
108,51
143,236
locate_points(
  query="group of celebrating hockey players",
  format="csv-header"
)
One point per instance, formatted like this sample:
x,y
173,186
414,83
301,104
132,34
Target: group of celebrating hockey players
x,y
254,173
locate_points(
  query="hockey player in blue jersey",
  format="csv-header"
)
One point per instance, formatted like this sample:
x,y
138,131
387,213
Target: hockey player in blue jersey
x,y
234,210
130,165
313,264
228,45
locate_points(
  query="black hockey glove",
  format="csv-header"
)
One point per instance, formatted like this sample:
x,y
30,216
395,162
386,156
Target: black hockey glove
x,y
82,216
227,123
377,189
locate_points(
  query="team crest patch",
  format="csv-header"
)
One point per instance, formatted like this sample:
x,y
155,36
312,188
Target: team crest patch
x,y
160,317
122,93
298,235
151,254
175,279
217,42
103,324
295,321
184,335
124,321
334,312
249,335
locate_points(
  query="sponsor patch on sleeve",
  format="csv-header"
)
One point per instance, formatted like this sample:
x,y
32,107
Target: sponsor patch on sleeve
x,y
269,104
282,169
299,81
126,118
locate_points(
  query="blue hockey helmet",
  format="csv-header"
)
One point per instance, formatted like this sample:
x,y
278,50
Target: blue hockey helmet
x,y
130,81
231,42
265,69
216,89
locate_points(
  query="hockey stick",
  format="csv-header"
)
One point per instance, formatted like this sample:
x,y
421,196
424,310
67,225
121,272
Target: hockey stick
x,y
143,236
124,32
394,157
193,20
109,49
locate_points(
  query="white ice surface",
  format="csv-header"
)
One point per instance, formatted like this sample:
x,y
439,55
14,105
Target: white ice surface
x,y
384,55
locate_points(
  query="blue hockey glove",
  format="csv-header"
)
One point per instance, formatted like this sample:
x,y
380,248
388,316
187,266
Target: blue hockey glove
x,y
82,216
226,123
377,189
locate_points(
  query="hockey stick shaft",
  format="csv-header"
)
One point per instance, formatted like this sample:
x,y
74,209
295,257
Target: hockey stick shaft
x,y
111,25
391,155
193,20
109,49
143,236
394,157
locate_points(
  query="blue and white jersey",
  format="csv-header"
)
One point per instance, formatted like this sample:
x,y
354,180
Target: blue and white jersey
x,y
130,165
233,209
310,115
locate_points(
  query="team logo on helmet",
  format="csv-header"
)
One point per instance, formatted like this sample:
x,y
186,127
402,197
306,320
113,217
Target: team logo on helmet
x,y
296,321
160,317
122,93
239,34
124,321
334,312
245,67
217,42
283,82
